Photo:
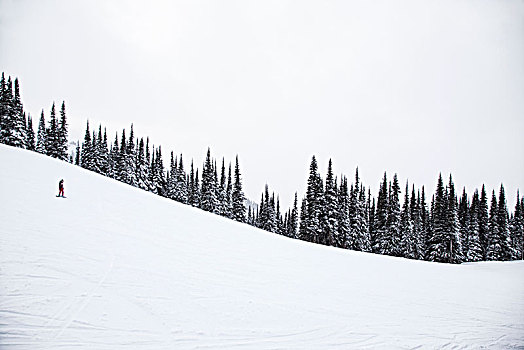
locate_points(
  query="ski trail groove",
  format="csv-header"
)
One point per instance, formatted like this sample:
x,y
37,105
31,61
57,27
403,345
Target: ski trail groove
x,y
87,299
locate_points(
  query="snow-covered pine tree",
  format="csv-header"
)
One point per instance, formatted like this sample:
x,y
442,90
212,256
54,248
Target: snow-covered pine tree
x,y
473,251
77,153
267,219
52,135
237,197
104,154
408,243
208,200
517,230
330,215
114,158
483,221
315,204
359,235
382,244
371,223
262,216
293,219
343,239
140,162
87,154
181,183
278,218
159,173
130,159
18,133
61,142
503,227
30,135
302,229
425,223
452,238
221,191
392,239
415,212
171,183
494,249
437,245
191,187
8,112
463,219
364,238
229,195
7,129
121,164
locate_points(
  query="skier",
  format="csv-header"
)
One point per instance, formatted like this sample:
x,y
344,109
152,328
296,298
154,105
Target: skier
x,y
61,188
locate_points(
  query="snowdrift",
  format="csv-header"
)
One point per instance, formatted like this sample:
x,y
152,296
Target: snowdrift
x,y
114,267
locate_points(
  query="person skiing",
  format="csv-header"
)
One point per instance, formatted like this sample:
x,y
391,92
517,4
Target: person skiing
x,y
61,188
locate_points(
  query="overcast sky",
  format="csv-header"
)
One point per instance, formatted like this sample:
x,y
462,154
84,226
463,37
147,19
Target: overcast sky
x,y
409,87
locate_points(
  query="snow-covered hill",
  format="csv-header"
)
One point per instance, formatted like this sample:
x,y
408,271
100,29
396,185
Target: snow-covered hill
x,y
114,267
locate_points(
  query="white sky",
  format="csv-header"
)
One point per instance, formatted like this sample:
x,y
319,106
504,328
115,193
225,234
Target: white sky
x,y
412,87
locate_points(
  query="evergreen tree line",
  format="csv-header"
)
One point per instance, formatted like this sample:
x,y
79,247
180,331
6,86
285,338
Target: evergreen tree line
x,y
333,212
451,230
134,162
16,128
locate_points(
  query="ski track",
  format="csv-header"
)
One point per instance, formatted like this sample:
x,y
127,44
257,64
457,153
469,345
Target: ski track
x,y
112,267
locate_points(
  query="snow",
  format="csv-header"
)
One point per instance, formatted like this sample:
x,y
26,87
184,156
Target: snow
x,y
114,267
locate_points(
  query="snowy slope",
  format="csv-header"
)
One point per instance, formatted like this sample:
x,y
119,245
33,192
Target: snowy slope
x,y
113,267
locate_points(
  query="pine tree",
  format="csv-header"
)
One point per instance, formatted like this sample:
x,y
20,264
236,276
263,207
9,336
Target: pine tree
x,y
425,223
452,225
208,200
142,165
229,196
483,221
503,227
382,245
61,141
87,155
517,230
221,191
302,230
267,219
52,135
473,251
416,217
159,174
343,239
237,197
77,153
315,204
182,195
293,219
18,132
330,215
198,191
130,159
371,224
494,249
364,238
392,238
30,133
121,165
114,158
171,183
7,121
408,243
438,248
464,219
